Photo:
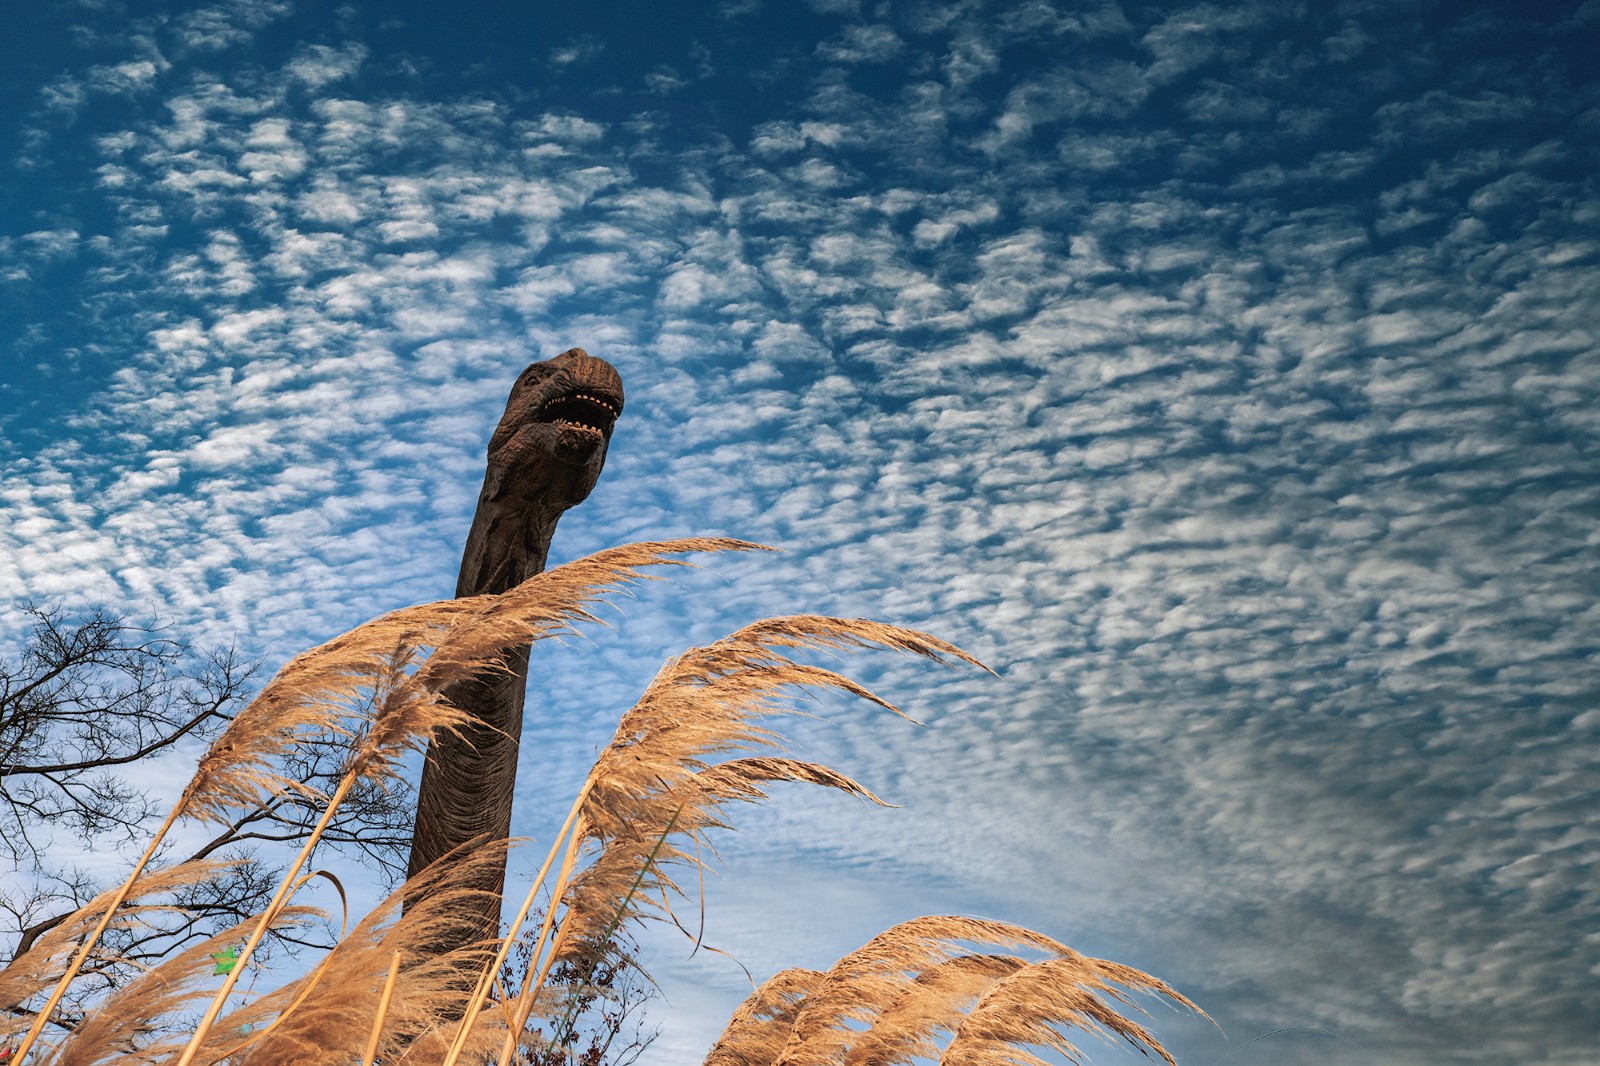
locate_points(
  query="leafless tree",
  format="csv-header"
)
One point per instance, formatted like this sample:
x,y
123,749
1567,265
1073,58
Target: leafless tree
x,y
87,706
601,1021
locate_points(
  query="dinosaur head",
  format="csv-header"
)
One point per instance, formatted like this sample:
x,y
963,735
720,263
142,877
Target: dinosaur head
x,y
551,442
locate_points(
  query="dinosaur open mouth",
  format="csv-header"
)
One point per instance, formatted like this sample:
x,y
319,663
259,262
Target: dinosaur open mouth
x,y
583,410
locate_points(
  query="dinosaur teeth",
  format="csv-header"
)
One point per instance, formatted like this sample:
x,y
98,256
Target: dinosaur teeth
x,y
582,410
600,400
611,407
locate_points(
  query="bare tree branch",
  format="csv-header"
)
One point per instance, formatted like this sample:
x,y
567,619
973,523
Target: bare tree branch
x,y
84,704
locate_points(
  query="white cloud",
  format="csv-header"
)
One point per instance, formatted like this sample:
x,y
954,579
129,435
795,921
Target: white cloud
x,y
862,44
581,50
1264,492
132,76
319,65
224,25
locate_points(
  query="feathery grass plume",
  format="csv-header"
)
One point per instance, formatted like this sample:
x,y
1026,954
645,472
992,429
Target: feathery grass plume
x,y
886,1002
378,670
41,967
760,1026
546,603
863,984
319,692
654,783
905,1029
429,990
124,1026
1030,1006
363,674
700,705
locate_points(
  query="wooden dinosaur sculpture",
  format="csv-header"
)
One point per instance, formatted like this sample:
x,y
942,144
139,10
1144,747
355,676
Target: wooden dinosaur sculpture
x,y
544,457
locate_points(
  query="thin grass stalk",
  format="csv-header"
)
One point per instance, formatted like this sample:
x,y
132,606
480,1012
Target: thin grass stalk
x,y
278,898
568,859
383,1009
310,985
488,977
93,938
535,977
616,920
525,1006
548,933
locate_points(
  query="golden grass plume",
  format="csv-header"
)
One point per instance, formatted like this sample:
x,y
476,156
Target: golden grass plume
x,y
41,967
697,741
890,1000
654,791
380,683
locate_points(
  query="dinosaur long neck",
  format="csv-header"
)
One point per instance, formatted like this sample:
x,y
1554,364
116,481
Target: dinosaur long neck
x,y
465,790
544,456
508,543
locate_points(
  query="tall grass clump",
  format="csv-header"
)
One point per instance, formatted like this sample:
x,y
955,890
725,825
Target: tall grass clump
x,y
698,740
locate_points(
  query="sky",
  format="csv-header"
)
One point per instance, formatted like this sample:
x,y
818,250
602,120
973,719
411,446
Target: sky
x,y
1224,376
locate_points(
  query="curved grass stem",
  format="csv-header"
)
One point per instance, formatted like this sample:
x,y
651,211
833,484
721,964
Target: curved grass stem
x,y
93,938
278,898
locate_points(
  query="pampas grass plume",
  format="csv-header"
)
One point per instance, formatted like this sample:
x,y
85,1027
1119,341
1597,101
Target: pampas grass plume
x,y
698,741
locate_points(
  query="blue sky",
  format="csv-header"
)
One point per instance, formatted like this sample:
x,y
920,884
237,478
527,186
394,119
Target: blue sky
x,y
1224,376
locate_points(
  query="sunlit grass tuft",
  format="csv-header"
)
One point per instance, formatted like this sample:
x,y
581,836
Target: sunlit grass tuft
x,y
698,740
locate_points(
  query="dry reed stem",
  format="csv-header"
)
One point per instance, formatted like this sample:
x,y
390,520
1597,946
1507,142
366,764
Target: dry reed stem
x,y
532,981
667,775
540,961
30,974
371,1051
489,973
538,971
127,1017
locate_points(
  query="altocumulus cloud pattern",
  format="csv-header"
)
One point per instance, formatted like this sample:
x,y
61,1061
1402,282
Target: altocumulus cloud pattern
x,y
1225,376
